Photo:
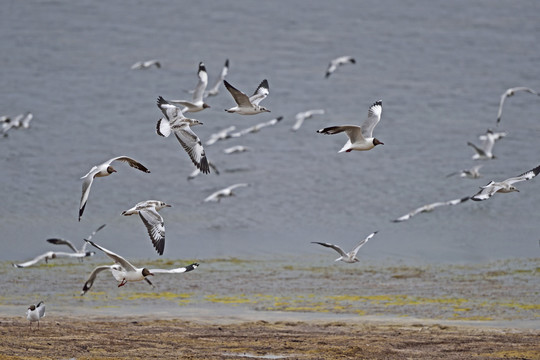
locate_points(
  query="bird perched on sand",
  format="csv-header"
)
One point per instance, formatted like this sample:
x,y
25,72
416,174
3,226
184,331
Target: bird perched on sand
x,y
248,105
35,312
197,104
101,170
123,271
505,186
509,93
175,121
360,137
148,212
337,62
349,257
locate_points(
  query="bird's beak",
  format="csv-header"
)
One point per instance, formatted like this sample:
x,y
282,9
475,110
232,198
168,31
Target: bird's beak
x,y
168,205
151,274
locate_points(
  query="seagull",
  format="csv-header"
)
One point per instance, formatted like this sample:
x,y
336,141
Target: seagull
x,y
175,121
235,149
511,92
360,137
228,191
58,241
334,64
349,257
19,121
35,312
50,255
257,127
496,135
214,90
197,171
301,116
472,173
104,169
248,105
145,64
220,135
505,186
485,152
429,208
148,211
123,271
197,104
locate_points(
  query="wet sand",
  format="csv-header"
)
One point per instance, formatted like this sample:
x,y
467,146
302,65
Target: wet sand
x,y
147,338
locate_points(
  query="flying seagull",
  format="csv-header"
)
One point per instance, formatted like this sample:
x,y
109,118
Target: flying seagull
x,y
301,116
35,313
472,173
58,241
485,151
257,127
145,64
228,191
104,169
174,121
360,137
148,212
248,105
220,135
429,208
50,255
509,93
505,186
123,271
197,104
349,257
334,64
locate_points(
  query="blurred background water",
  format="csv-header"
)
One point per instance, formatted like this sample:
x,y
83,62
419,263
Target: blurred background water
x,y
439,67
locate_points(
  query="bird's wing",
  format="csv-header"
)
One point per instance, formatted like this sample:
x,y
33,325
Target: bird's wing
x,y
88,284
224,71
115,257
260,93
457,201
201,85
34,260
232,187
486,192
523,88
58,241
332,246
155,226
501,103
133,163
86,185
374,116
332,66
170,111
26,120
355,250
91,236
193,146
179,270
528,175
239,97
163,127
477,149
41,309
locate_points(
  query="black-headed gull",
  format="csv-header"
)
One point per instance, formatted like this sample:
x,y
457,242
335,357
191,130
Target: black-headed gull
x,y
148,212
257,127
335,63
505,186
214,90
101,170
35,312
509,93
248,105
19,121
181,126
496,135
197,104
123,271
58,241
349,257
146,64
228,191
430,207
360,137
301,116
485,151
472,173
50,255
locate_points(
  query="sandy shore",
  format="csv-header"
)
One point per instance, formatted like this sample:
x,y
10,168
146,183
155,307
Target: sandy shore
x,y
147,338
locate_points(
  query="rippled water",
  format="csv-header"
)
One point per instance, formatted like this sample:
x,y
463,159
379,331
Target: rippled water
x,y
438,67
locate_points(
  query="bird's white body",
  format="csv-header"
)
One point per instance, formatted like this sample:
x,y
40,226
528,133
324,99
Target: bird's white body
x,y
35,312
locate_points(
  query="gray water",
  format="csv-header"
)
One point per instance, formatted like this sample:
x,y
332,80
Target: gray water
x,y
439,68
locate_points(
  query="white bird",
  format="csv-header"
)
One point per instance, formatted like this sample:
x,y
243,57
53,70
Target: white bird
x,y
430,207
334,64
360,137
123,271
235,149
472,173
19,121
175,121
50,255
496,135
509,93
35,313
505,186
148,212
485,151
145,64
257,127
349,257
57,241
214,90
248,105
220,135
197,171
101,170
301,116
197,104
228,191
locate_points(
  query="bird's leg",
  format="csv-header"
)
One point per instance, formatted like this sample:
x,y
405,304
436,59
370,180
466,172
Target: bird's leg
x,y
123,282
